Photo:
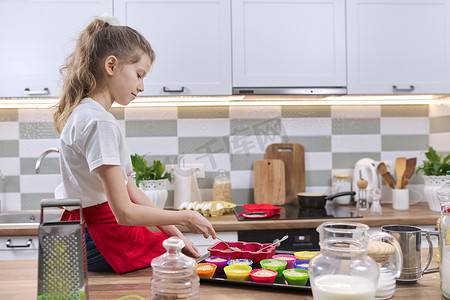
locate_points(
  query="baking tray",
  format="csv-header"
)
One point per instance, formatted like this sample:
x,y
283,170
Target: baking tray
x,y
278,284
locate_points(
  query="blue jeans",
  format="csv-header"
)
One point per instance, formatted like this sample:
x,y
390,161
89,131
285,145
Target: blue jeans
x,y
95,260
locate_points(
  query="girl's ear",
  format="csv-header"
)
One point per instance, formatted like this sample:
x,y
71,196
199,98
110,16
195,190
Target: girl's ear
x,y
110,64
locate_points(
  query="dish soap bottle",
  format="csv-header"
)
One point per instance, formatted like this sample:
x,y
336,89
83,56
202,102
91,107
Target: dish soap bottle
x,y
174,274
222,187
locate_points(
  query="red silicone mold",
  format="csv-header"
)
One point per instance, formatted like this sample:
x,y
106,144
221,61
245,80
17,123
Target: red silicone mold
x,y
246,251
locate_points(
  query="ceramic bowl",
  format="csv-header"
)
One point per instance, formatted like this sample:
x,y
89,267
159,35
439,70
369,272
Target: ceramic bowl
x,y
240,261
274,264
301,264
263,275
288,258
219,260
305,255
237,272
206,270
296,276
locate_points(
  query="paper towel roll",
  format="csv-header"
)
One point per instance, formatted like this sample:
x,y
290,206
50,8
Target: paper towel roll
x,y
185,186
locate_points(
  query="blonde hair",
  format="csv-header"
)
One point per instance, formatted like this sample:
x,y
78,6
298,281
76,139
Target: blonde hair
x,y
81,73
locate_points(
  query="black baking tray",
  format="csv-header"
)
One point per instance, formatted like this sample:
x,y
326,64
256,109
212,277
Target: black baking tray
x,y
278,284
250,283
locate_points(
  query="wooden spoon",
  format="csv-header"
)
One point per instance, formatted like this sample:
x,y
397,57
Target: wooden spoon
x,y
410,167
400,168
387,177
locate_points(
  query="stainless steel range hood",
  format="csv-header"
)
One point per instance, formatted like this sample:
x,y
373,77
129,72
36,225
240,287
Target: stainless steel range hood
x,y
290,91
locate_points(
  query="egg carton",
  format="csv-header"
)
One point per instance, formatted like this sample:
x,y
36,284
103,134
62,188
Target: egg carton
x,y
209,208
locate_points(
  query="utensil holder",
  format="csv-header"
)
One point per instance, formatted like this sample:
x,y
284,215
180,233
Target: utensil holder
x,y
62,266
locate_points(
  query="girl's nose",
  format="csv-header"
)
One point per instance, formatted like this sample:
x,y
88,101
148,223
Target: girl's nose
x,y
140,87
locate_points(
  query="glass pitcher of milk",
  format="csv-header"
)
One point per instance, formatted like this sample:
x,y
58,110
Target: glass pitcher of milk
x,y
343,270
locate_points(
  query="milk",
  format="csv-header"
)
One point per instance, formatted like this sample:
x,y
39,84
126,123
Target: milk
x,y
343,287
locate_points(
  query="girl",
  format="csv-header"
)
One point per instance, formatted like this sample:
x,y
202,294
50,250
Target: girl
x,y
107,66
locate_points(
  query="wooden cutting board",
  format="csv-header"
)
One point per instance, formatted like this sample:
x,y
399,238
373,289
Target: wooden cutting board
x,y
269,175
293,156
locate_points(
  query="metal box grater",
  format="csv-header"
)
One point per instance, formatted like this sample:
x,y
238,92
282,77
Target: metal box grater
x,y
62,264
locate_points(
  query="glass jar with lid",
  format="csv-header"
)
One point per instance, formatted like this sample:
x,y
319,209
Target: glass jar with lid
x,y
222,187
174,274
443,195
444,249
341,183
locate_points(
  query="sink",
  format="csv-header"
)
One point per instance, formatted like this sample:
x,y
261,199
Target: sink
x,y
29,217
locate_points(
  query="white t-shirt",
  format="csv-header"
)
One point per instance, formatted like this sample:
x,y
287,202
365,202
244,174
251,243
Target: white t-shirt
x,y
90,138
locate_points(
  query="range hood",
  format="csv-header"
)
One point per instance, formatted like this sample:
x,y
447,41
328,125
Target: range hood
x,y
290,91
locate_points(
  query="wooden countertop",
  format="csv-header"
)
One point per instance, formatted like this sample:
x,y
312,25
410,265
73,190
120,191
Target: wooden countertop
x,y
418,214
18,280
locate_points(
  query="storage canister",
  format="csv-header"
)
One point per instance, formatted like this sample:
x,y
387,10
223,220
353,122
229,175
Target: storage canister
x,y
341,183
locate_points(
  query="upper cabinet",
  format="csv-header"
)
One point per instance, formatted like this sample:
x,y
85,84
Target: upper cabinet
x,y
36,37
292,43
398,46
192,42
207,47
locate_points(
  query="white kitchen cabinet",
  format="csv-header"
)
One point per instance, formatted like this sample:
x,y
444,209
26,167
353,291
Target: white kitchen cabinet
x,y
36,37
19,247
292,43
398,46
192,41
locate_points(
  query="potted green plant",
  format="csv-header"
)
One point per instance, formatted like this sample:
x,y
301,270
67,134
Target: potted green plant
x,y
152,180
434,170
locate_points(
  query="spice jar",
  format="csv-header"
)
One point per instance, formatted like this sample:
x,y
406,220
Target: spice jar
x,y
222,187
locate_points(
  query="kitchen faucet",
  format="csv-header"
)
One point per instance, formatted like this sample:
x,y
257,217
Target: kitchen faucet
x,y
41,157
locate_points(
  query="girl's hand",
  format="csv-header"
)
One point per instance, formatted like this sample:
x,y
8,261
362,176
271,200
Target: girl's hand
x,y
189,248
197,223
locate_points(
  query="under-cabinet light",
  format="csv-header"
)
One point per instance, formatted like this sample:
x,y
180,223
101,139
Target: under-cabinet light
x,y
381,97
247,100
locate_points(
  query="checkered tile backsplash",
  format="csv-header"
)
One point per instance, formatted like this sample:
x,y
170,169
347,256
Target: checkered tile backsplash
x,y
231,138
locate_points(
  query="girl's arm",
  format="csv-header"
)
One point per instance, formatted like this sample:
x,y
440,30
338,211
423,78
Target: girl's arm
x,y
143,213
138,196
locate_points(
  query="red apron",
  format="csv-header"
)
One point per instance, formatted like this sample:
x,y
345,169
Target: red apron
x,y
125,248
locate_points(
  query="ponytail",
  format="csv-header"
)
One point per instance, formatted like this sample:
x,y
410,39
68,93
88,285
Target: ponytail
x,y
81,73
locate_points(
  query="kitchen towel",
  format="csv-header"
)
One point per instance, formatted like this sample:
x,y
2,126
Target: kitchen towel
x,y
185,187
268,209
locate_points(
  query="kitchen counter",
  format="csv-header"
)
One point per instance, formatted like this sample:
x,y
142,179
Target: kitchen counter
x,y
418,214
18,280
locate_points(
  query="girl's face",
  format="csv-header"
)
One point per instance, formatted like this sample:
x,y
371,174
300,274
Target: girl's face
x,y
128,80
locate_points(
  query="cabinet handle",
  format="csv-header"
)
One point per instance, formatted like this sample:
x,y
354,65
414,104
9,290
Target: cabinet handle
x,y
45,91
396,89
167,90
9,245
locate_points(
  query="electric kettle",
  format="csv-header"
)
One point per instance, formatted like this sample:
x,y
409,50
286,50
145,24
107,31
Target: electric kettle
x,y
366,168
